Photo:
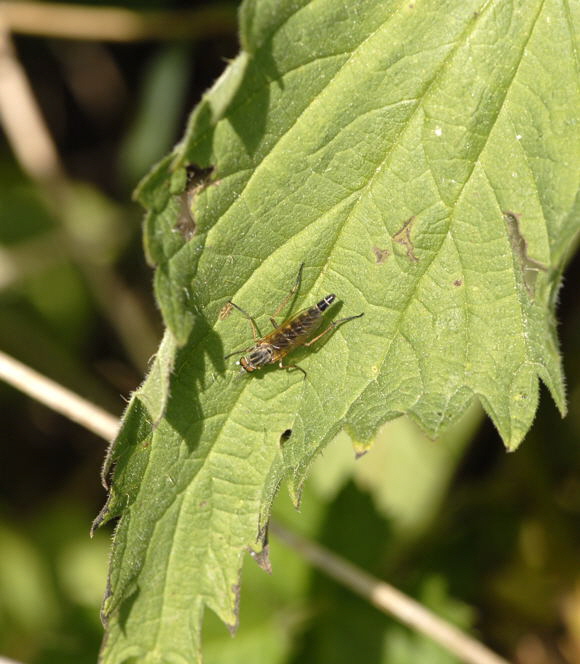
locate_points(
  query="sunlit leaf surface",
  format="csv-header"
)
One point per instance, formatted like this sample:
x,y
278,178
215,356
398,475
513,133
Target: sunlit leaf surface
x,y
420,158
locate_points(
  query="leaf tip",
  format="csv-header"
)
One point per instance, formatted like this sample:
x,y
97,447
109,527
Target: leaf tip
x,y
262,554
262,558
295,493
102,517
359,446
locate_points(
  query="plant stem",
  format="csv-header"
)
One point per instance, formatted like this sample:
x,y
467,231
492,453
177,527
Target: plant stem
x,y
389,600
61,400
383,596
117,24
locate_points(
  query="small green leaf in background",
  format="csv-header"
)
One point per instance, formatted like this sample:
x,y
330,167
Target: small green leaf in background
x,y
420,159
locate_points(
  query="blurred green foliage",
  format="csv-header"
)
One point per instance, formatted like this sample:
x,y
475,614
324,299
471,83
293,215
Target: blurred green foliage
x,y
486,539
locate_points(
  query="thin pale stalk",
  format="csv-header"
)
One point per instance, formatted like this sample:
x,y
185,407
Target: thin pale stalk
x,y
117,24
6,660
383,596
389,600
57,397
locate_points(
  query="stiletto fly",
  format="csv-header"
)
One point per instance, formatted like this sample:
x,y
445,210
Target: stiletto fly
x,y
289,335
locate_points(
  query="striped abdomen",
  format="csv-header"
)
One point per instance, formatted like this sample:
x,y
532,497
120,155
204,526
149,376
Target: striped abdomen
x,y
324,304
294,332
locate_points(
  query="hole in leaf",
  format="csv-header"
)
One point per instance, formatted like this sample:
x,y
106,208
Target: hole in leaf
x,y
285,436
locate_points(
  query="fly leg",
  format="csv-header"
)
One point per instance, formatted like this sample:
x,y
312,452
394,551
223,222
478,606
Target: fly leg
x,y
331,327
288,297
291,366
255,331
238,352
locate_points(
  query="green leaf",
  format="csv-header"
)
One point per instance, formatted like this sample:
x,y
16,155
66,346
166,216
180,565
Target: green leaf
x,y
420,160
400,450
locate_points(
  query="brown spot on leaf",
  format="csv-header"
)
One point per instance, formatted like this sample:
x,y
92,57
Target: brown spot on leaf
x,y
262,557
381,255
225,311
233,627
529,266
458,282
198,179
185,225
403,237
360,449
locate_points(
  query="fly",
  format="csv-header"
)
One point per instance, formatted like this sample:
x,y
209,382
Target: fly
x,y
289,335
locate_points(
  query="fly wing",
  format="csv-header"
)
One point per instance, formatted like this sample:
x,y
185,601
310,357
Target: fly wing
x,y
293,332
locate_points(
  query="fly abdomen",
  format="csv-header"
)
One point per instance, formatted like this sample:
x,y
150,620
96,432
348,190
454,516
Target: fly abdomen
x,y
311,318
324,304
297,328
